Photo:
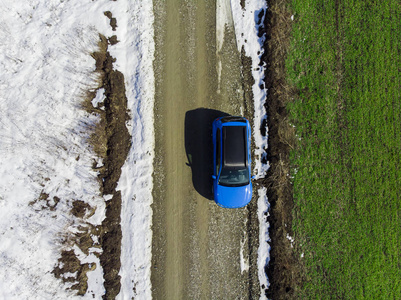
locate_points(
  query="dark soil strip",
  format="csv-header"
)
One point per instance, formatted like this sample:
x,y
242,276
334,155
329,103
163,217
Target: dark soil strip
x,y
283,270
118,141
70,264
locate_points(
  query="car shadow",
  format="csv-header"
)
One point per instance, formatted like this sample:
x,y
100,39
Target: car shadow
x,y
199,147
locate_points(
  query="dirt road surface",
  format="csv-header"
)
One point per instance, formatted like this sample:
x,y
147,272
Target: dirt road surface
x,y
198,247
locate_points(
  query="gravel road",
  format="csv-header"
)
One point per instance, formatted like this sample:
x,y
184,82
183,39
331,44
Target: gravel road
x,y
198,247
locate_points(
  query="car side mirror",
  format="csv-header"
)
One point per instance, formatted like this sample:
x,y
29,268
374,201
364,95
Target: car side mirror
x,y
253,177
214,177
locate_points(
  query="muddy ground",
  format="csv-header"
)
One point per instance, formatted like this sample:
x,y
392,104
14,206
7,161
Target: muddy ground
x,y
115,143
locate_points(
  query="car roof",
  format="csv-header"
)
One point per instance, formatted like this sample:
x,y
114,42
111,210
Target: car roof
x,y
234,146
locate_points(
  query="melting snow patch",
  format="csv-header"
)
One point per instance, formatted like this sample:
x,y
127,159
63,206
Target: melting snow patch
x,y
291,239
264,247
244,261
99,98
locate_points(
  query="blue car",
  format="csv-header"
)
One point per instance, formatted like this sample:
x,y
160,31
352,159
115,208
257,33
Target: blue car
x,y
232,187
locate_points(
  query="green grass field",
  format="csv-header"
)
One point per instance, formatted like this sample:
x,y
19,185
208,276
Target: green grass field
x,y
345,61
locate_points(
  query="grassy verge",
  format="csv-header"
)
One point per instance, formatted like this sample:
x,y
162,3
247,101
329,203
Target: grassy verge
x,y
345,62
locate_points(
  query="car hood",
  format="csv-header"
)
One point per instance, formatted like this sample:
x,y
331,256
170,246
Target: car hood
x,y
233,197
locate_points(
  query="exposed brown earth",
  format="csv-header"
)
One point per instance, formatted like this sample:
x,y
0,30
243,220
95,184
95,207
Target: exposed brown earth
x,y
68,263
283,270
118,144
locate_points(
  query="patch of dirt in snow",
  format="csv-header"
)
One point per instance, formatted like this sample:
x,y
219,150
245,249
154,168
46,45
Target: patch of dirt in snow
x,y
70,269
47,203
80,209
111,140
113,21
113,147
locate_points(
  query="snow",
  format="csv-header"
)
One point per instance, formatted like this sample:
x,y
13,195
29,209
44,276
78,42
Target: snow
x,y
99,98
291,239
244,260
246,23
264,247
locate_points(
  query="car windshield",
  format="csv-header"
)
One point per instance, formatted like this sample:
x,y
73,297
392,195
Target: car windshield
x,y
234,177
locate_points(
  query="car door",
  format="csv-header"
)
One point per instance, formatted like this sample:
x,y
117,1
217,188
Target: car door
x,y
218,153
